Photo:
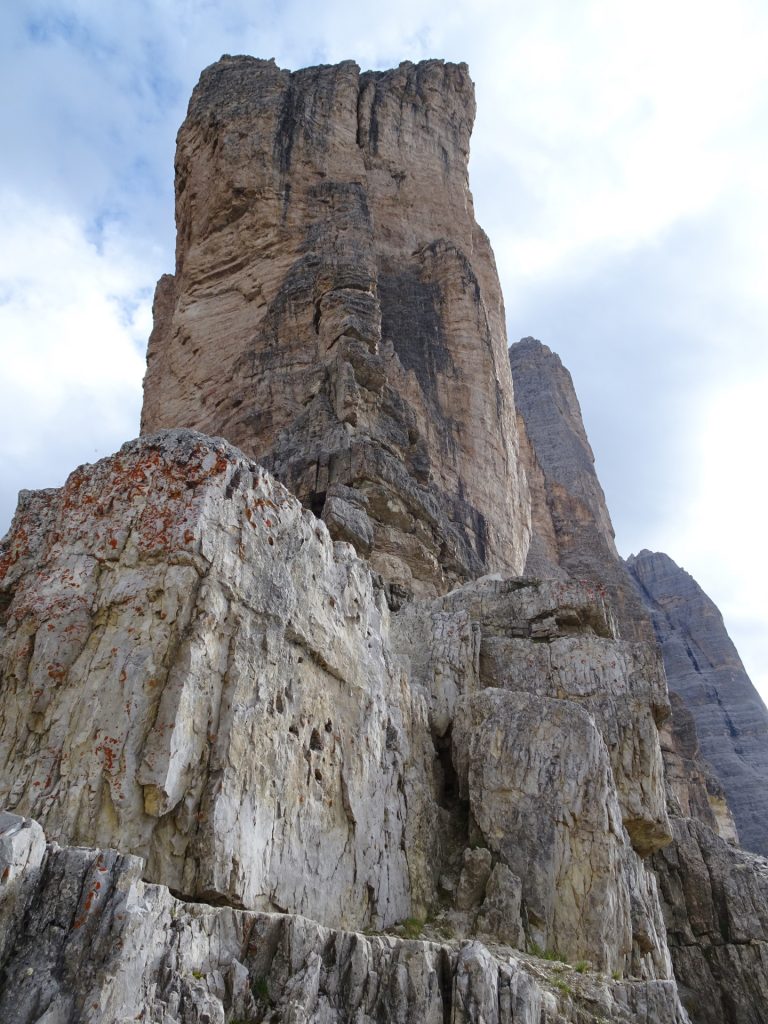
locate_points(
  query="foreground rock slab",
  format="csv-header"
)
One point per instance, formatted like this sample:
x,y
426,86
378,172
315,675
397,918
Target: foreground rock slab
x,y
98,945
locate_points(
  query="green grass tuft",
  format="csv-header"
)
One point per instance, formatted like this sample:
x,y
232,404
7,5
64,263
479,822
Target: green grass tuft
x,y
412,927
260,990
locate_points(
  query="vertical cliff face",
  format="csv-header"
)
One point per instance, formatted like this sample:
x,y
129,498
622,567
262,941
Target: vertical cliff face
x,y
336,311
704,668
572,537
195,674
572,533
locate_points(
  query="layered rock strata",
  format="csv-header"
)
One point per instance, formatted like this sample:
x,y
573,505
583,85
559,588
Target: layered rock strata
x,y
693,791
539,704
704,668
713,894
194,674
336,312
203,675
84,939
716,910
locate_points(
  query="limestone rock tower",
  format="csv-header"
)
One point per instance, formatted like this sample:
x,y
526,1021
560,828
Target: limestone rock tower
x,y
336,311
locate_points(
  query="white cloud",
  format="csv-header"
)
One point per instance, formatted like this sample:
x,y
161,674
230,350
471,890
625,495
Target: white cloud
x,y
73,328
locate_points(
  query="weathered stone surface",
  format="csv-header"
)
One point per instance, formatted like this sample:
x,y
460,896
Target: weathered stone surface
x,y
704,668
226,699
500,915
572,537
22,848
549,639
336,312
574,859
99,945
475,872
194,672
715,901
692,789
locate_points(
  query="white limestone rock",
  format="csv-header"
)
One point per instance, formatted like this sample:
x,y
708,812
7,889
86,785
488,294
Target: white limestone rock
x,y
195,674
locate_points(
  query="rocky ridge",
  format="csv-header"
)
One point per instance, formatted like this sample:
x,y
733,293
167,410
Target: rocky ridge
x,y
84,938
197,675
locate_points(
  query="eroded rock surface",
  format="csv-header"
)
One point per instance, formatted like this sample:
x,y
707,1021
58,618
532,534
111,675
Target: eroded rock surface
x,y
203,675
572,533
336,312
572,537
693,791
704,668
196,674
716,933
542,706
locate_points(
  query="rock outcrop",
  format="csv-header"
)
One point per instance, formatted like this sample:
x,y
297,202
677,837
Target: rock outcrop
x,y
714,895
716,910
195,674
336,313
704,669
572,537
693,791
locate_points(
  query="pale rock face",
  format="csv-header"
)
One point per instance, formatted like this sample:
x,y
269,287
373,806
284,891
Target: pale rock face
x,y
336,312
572,533
572,537
90,941
500,914
194,673
549,639
581,881
572,900
693,791
475,873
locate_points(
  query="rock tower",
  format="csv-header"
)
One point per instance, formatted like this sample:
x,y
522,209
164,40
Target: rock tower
x,y
336,312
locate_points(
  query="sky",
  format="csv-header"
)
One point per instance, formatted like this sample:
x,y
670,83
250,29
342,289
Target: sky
x,y
619,165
